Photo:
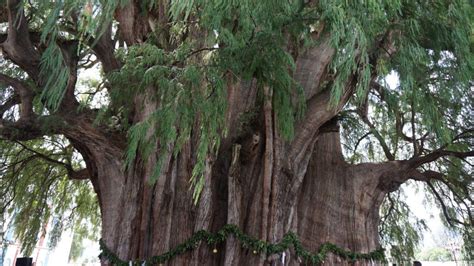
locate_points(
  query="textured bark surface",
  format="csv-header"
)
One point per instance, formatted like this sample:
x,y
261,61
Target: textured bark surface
x,y
336,202
258,181
263,184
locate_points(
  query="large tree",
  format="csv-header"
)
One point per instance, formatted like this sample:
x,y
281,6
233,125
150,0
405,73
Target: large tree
x,y
219,112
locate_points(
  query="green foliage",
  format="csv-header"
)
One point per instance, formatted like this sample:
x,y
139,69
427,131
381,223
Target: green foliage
x,y
468,245
55,74
55,22
82,231
189,91
289,240
34,191
433,63
185,94
351,36
400,230
76,248
435,254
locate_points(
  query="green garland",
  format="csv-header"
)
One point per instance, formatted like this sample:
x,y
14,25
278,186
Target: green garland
x,y
258,246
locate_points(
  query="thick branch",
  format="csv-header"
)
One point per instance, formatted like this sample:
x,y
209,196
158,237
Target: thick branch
x,y
424,176
18,46
69,51
76,175
28,129
395,173
418,161
12,101
318,112
103,48
133,25
25,95
82,174
21,130
311,67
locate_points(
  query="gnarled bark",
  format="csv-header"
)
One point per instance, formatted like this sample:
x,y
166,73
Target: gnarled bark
x,y
337,203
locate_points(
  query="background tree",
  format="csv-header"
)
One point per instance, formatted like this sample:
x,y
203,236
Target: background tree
x,y
436,254
241,101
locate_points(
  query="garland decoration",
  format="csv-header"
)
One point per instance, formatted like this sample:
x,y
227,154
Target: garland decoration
x,y
257,246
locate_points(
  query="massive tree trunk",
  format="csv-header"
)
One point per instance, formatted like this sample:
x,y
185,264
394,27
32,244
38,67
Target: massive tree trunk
x,y
339,203
263,184
248,184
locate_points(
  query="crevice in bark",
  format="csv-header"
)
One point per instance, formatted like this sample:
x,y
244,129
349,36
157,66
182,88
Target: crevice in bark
x,y
268,161
234,204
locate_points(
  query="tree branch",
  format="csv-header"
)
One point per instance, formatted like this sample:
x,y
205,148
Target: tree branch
x,y
18,47
425,176
318,111
28,129
71,59
12,101
20,130
418,161
133,24
413,127
25,96
390,209
383,93
365,118
76,175
41,155
82,174
444,208
360,140
103,48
